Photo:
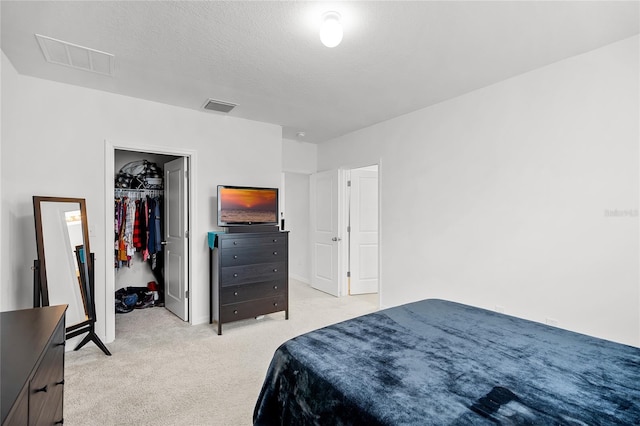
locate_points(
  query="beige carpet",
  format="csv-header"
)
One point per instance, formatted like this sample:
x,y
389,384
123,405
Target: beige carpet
x,y
165,372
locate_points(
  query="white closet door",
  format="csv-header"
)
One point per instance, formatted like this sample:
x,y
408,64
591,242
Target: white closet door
x,y
325,242
176,274
364,232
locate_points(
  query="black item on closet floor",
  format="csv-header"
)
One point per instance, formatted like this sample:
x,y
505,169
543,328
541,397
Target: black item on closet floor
x,y
130,298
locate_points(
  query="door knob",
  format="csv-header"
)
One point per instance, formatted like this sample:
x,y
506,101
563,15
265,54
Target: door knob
x,y
336,239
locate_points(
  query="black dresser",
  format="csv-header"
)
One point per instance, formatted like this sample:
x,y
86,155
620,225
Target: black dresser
x,y
32,371
249,276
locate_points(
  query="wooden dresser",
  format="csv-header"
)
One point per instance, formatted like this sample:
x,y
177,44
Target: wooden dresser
x,y
249,276
32,369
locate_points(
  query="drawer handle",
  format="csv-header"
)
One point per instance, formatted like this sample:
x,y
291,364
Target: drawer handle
x,y
43,389
275,240
59,422
235,256
61,382
235,312
235,243
235,275
275,287
275,304
275,253
235,293
275,269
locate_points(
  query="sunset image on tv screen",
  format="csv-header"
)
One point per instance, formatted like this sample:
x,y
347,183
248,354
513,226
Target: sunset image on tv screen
x,y
245,205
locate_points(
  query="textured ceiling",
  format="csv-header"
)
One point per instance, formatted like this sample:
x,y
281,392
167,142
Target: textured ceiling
x,y
396,56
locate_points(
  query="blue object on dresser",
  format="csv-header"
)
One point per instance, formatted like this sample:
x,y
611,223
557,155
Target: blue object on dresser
x,y
436,362
211,238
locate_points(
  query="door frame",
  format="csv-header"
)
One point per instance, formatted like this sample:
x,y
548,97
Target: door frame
x,y
110,146
343,217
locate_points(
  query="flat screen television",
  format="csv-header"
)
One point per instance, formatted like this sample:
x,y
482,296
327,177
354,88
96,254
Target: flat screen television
x,y
246,206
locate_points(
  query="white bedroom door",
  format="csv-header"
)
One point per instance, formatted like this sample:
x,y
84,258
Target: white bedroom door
x,y
325,241
363,241
176,238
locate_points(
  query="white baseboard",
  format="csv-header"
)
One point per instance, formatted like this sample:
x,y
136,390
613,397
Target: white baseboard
x,y
201,320
305,280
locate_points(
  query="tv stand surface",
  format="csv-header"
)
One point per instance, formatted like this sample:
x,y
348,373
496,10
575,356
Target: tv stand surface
x,y
252,229
248,275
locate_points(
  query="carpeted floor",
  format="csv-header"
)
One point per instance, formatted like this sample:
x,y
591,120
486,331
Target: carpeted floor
x,y
165,372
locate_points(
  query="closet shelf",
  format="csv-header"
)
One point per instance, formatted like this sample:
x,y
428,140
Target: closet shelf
x,y
137,193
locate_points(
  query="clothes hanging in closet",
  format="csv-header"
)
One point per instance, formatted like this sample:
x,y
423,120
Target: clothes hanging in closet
x,y
137,228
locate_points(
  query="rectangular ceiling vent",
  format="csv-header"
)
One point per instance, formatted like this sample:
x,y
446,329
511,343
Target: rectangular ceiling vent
x,y
74,56
213,105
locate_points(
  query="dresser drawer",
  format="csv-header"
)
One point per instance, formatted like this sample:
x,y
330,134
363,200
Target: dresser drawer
x,y
46,386
245,292
51,413
254,308
247,256
253,241
234,275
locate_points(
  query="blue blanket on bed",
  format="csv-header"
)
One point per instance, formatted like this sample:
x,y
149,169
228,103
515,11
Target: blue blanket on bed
x,y
435,362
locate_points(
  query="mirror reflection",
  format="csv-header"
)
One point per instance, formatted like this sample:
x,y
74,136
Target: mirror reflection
x,y
61,233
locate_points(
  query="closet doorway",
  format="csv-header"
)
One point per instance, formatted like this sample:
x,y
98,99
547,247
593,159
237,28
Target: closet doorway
x,y
165,268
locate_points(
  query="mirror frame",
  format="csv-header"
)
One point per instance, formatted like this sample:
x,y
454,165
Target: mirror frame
x,y
42,268
85,266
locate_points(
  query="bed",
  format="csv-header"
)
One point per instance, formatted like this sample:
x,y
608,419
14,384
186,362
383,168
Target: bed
x,y
436,362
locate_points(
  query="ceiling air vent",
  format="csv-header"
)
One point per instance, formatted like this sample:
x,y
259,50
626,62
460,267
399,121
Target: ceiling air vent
x,y
213,105
74,56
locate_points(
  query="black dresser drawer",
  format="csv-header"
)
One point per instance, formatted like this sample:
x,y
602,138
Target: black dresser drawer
x,y
246,256
254,308
246,240
244,292
234,275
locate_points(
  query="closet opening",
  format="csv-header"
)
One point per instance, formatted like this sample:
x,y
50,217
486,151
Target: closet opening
x,y
150,249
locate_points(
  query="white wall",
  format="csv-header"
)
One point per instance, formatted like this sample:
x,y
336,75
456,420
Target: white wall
x,y
297,215
299,160
299,157
53,143
502,197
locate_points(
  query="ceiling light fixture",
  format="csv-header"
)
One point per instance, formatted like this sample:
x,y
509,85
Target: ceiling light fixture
x,y
331,29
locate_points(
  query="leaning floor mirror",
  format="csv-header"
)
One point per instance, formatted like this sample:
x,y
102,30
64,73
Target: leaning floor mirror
x,y
63,272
